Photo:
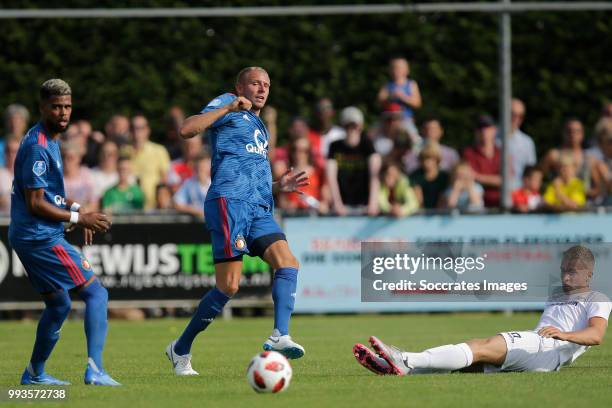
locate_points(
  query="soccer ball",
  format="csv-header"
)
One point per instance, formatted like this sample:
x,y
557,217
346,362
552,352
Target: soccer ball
x,y
269,372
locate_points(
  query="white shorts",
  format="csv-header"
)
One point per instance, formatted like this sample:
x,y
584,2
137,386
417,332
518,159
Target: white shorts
x,y
528,351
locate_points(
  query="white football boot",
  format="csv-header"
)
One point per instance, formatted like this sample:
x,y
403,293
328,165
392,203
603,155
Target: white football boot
x,y
181,364
284,345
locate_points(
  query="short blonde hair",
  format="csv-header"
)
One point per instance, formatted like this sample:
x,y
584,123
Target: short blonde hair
x,y
243,72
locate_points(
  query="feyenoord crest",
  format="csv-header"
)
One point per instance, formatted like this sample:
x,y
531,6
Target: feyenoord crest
x,y
240,243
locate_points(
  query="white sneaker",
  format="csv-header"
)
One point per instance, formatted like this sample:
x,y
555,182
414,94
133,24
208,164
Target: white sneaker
x,y
181,364
284,345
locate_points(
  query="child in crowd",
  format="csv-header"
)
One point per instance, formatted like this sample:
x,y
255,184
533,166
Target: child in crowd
x,y
528,198
396,197
464,193
566,192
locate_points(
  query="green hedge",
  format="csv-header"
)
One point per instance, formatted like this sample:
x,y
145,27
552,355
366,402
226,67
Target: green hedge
x,y
561,62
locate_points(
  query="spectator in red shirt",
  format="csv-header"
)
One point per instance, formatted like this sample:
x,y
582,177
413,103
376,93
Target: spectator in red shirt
x,y
485,159
182,169
528,197
313,196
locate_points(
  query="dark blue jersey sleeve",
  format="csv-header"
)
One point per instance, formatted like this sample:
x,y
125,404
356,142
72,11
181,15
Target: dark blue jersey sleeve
x,y
35,167
217,103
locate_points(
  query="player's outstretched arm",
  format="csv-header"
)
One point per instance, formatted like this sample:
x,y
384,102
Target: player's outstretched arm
x,y
592,335
37,205
196,124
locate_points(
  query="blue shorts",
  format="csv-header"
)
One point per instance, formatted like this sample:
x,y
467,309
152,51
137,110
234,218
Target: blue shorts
x,y
238,227
53,268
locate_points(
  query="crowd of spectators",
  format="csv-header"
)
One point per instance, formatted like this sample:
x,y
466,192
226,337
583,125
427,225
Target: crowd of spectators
x,y
397,166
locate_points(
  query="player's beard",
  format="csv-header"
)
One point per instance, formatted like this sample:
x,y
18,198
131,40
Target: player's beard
x,y
57,128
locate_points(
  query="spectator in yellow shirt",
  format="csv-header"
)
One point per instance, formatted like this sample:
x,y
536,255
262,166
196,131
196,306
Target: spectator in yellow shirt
x,y
151,161
566,192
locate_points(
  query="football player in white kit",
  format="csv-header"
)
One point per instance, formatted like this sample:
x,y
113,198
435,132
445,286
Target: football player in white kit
x,y
571,323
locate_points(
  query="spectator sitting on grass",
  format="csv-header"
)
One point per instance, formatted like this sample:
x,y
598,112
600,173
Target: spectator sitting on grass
x,y
566,192
189,198
528,198
125,196
465,193
396,197
429,181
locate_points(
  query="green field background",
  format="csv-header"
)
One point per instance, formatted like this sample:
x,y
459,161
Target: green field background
x,y
327,376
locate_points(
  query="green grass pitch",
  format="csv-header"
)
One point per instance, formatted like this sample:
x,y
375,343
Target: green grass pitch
x,y
327,376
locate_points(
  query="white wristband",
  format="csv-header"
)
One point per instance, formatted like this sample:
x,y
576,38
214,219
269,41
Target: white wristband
x,y
75,207
74,217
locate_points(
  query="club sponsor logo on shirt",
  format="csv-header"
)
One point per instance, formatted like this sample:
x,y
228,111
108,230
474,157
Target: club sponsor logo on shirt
x,y
39,168
261,144
59,200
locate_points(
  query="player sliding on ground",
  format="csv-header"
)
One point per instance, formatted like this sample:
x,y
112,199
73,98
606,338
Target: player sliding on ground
x,y
38,210
571,322
239,212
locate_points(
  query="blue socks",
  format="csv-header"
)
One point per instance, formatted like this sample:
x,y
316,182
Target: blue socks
x,y
210,306
96,320
283,294
47,333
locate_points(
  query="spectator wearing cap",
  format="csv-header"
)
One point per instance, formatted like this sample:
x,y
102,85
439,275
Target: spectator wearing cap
x,y
391,140
429,180
396,197
16,118
566,192
323,131
485,159
521,148
402,90
353,167
432,132
7,173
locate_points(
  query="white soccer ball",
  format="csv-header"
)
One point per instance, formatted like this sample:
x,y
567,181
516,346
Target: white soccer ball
x,y
269,372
